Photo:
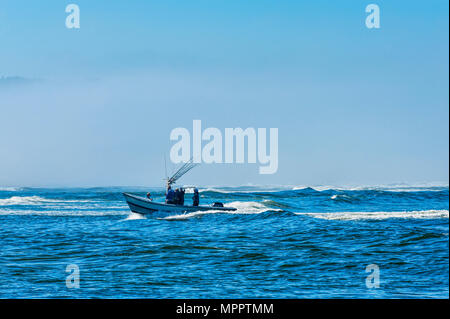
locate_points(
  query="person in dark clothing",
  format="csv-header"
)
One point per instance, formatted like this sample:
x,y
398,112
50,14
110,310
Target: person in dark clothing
x,y
149,196
177,196
182,191
195,198
170,195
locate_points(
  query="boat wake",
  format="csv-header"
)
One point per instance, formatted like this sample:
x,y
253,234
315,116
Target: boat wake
x,y
134,216
242,208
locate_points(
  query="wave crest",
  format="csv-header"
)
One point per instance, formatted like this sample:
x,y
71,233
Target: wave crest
x,y
35,200
421,214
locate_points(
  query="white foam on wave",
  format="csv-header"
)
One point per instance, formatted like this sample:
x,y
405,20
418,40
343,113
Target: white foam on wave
x,y
22,200
340,196
4,212
225,191
11,189
422,214
241,189
298,188
37,200
320,188
249,207
391,188
216,190
191,214
134,216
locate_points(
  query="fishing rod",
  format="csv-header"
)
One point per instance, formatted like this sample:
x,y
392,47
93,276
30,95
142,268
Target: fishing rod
x,y
186,167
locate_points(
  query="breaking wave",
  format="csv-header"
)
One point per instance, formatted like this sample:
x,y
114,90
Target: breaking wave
x,y
63,213
344,198
37,205
243,190
35,200
11,189
389,188
422,214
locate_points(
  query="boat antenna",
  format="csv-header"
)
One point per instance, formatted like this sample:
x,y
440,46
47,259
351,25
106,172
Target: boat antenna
x,y
186,167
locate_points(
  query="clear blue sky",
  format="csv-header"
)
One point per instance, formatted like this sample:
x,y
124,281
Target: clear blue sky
x,y
96,105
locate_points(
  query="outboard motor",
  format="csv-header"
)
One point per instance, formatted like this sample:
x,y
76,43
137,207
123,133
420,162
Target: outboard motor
x,y
217,204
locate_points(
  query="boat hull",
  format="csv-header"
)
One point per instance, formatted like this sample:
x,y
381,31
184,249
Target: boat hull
x,y
142,205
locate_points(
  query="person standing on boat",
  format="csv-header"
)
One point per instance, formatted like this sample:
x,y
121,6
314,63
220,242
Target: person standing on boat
x,y
182,191
177,197
170,195
195,198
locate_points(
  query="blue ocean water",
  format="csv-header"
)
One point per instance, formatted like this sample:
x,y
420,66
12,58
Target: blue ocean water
x,y
282,242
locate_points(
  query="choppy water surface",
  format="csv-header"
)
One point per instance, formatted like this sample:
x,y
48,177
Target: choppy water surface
x,y
281,243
